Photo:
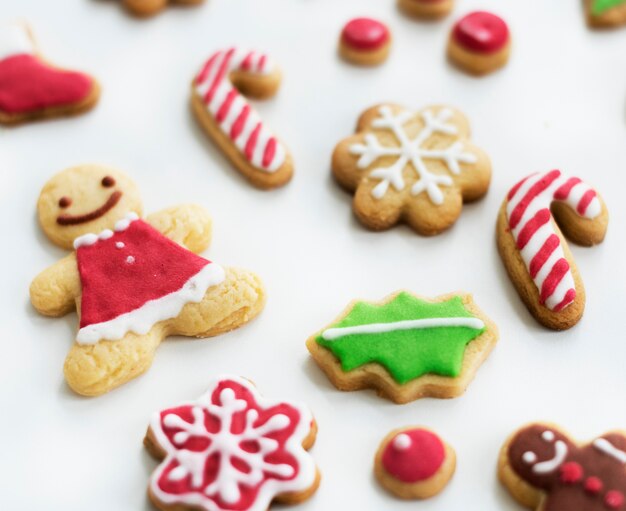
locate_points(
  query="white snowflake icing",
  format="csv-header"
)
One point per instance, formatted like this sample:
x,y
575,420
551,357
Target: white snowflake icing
x,y
411,151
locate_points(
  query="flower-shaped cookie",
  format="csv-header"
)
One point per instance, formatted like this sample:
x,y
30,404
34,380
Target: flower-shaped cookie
x,y
415,167
232,450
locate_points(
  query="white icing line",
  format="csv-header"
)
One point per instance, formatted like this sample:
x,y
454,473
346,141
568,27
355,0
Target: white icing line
x,y
603,445
412,324
14,40
560,453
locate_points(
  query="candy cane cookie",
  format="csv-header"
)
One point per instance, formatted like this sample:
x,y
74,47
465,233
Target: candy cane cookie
x,y
228,119
532,220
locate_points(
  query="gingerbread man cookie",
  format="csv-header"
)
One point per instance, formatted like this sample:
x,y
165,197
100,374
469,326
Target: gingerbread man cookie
x,y
230,121
545,470
534,250
232,449
414,167
429,9
151,7
606,13
406,347
136,281
31,88
414,463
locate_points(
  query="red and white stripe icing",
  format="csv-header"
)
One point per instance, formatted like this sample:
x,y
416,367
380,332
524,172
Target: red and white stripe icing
x,y
529,217
237,119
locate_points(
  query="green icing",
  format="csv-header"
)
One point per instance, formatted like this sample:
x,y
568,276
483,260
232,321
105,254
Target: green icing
x,y
601,6
406,354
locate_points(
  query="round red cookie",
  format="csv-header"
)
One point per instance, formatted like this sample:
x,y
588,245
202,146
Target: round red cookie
x,y
428,9
414,463
480,42
365,41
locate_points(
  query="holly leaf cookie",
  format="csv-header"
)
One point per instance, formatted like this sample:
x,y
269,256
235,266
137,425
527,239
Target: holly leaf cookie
x,y
31,88
412,167
545,470
606,13
406,347
232,449
132,281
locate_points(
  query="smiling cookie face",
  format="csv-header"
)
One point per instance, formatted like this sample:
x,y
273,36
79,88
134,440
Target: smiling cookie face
x,y
85,199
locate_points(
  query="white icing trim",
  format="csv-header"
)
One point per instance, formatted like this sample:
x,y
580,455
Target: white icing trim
x,y
193,460
141,320
15,40
121,225
603,445
560,453
411,324
402,442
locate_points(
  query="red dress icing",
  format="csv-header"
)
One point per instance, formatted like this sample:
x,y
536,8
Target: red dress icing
x,y
417,461
365,34
133,266
481,32
27,84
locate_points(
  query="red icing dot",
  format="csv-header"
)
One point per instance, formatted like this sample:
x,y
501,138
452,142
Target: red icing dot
x,y
614,499
481,32
593,485
416,460
571,472
365,34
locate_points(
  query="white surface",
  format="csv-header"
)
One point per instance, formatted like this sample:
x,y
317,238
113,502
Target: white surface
x,y
559,103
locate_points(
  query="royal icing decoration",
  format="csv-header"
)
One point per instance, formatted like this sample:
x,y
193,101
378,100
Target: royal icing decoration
x,y
408,336
531,224
231,449
133,277
29,84
574,478
412,151
414,455
230,110
481,32
365,34
599,7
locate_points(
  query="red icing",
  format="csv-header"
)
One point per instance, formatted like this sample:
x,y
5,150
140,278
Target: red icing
x,y
614,499
481,32
420,461
27,84
212,424
571,472
593,485
111,285
365,34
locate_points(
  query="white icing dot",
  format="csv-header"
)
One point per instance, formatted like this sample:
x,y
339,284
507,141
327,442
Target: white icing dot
x,y
119,244
548,436
130,259
402,442
529,457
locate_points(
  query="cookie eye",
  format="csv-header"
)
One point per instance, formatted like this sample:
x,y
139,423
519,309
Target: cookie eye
x,y
108,181
65,202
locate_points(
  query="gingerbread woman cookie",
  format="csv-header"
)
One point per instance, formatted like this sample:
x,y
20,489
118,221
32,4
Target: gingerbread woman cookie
x,y
534,250
136,281
31,88
429,9
414,167
406,347
365,41
230,121
545,470
151,7
606,13
232,449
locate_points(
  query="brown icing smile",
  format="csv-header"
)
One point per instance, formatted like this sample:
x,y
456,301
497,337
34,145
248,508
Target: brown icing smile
x,y
96,213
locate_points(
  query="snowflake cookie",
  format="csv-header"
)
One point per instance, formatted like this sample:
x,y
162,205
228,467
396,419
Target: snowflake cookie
x,y
606,13
416,167
545,470
414,463
232,449
406,347
136,281
534,250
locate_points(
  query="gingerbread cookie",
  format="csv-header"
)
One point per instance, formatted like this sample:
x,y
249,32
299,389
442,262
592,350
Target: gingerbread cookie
x,y
414,463
232,123
429,9
414,167
31,88
545,470
365,41
406,347
606,13
134,283
151,7
480,43
534,250
232,449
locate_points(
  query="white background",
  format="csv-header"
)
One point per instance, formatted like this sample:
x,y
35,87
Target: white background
x,y
559,103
